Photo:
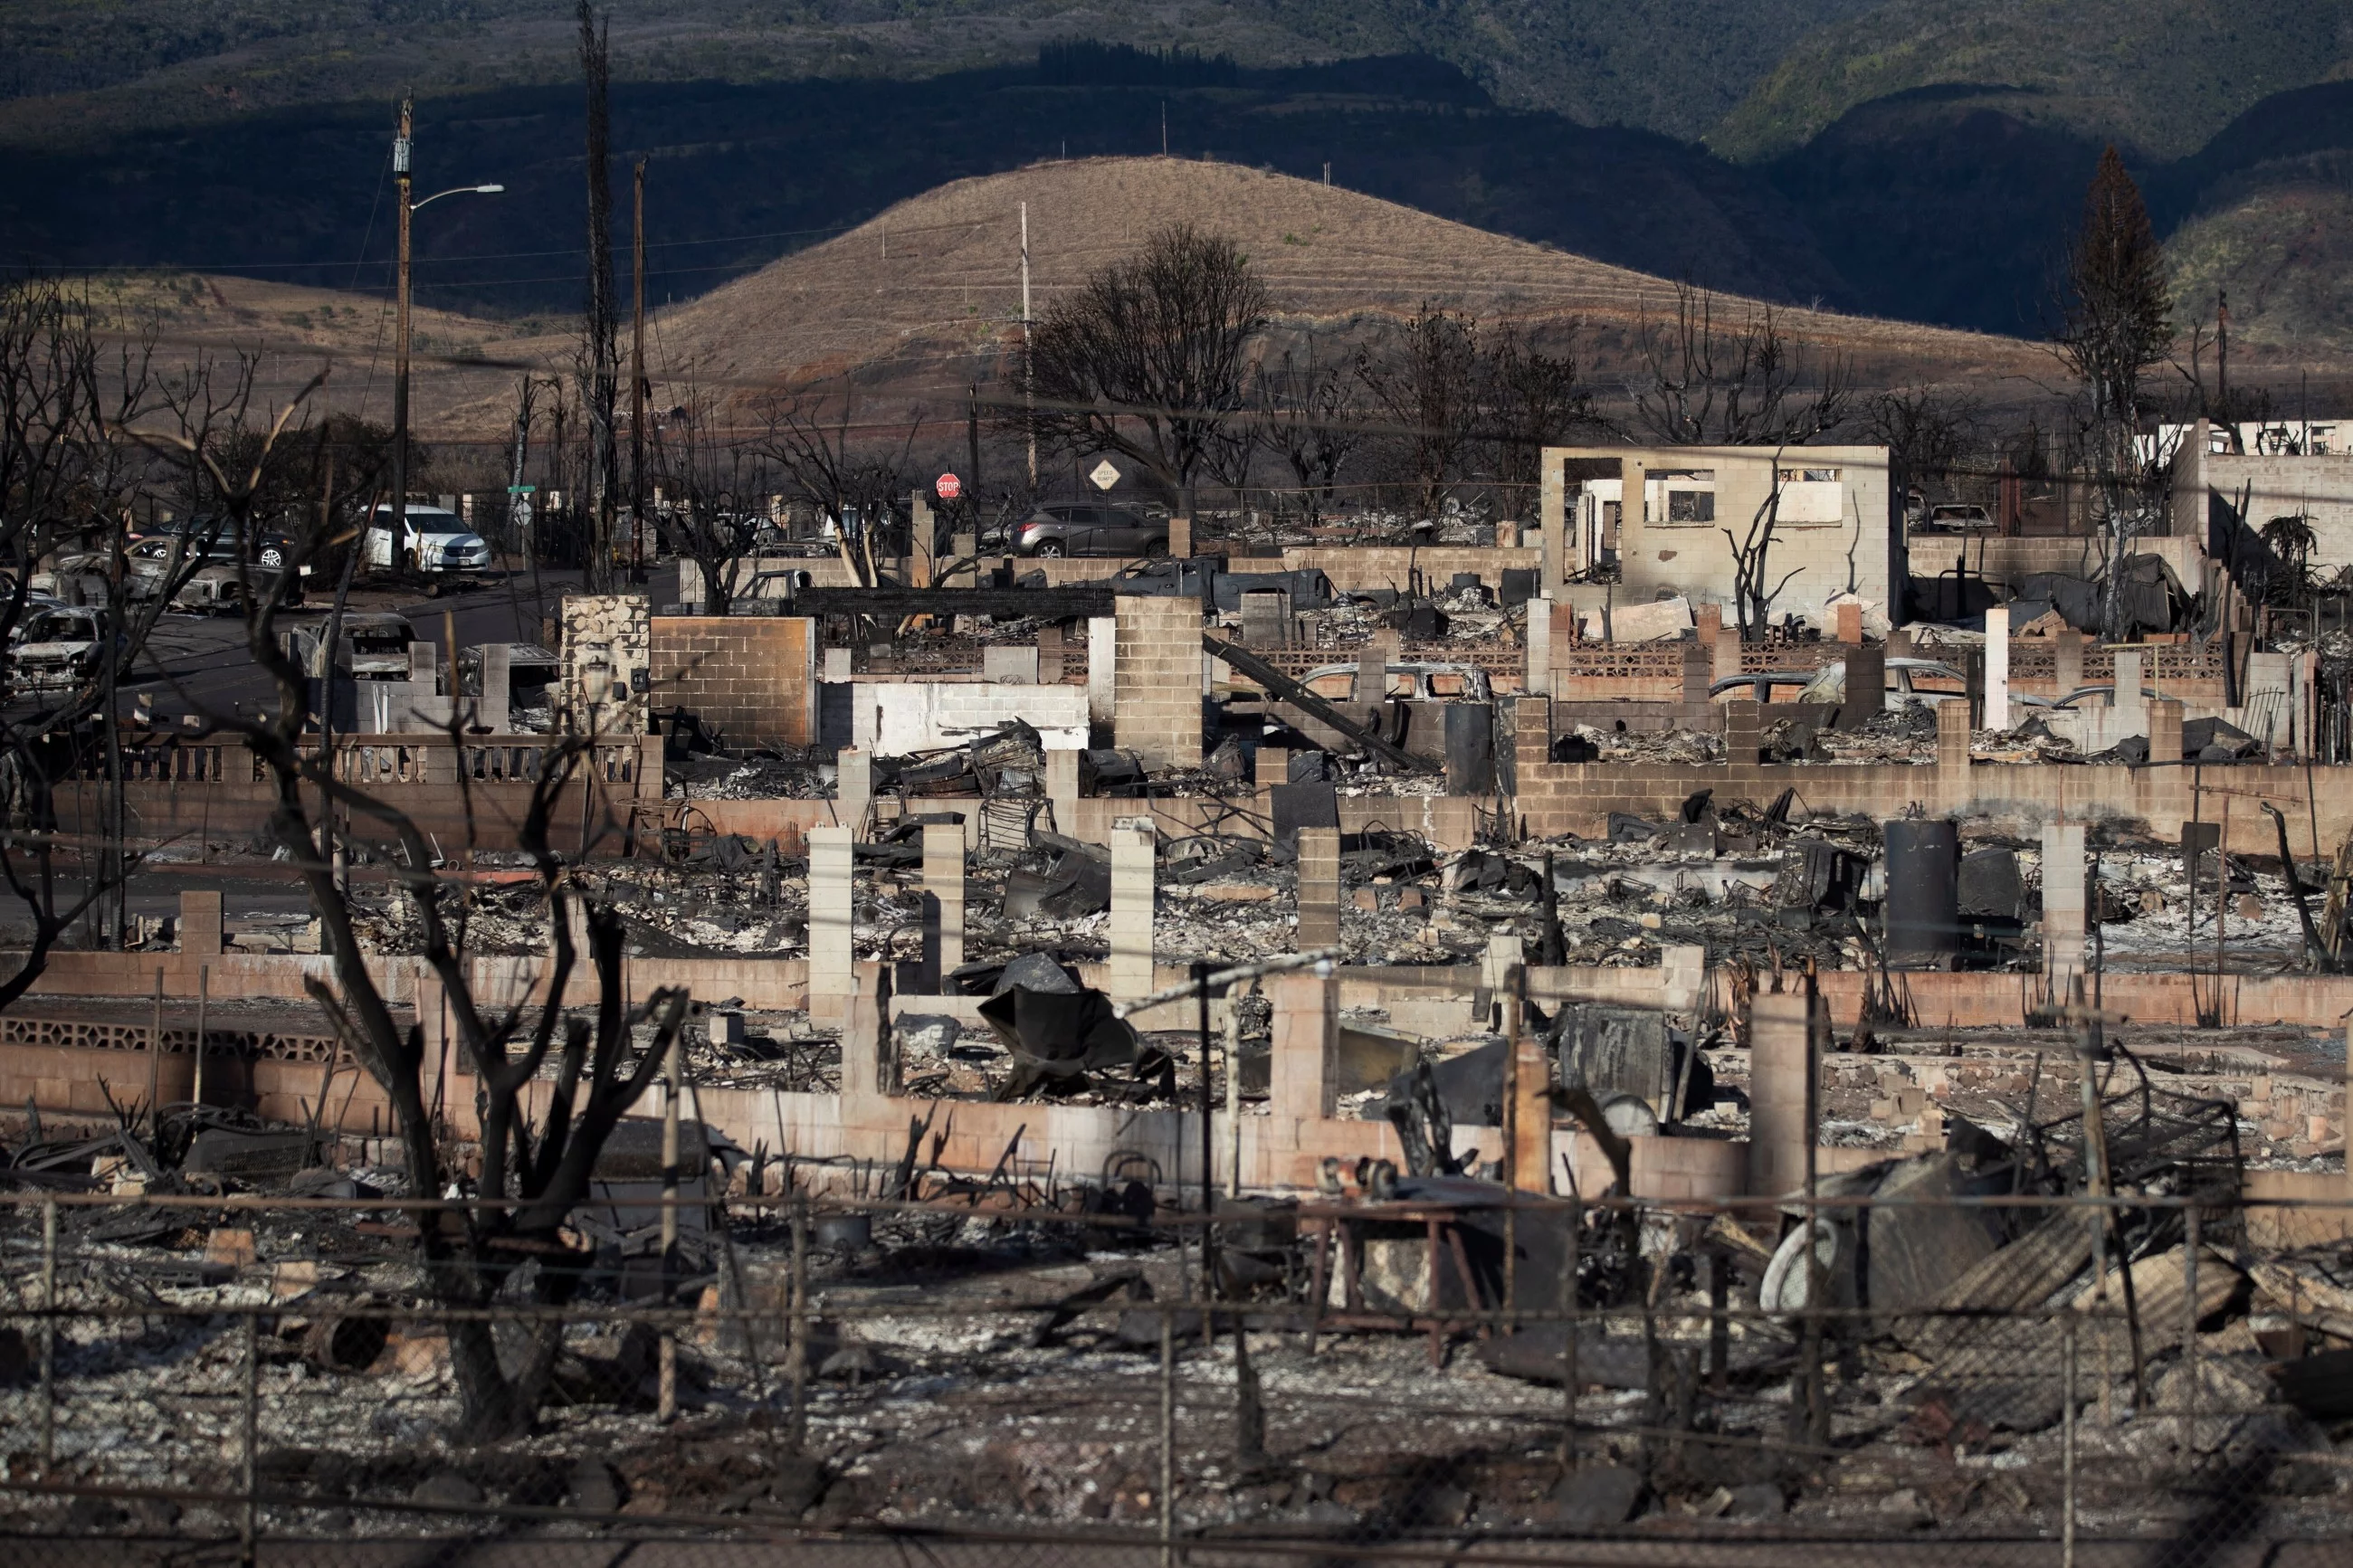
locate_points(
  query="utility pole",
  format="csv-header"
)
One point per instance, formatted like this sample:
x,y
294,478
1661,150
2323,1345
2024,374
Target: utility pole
x,y
1029,383
638,387
403,181
406,183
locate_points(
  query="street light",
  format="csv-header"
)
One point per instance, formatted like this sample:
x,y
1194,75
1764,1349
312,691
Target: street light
x,y
400,147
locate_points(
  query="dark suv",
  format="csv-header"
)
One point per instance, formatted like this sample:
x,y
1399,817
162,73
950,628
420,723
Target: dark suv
x,y
1081,528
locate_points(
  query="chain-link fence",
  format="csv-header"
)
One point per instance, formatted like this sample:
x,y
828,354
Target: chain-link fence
x,y
1421,1378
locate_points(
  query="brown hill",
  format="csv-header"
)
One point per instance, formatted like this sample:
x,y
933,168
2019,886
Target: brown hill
x,y
929,293
926,298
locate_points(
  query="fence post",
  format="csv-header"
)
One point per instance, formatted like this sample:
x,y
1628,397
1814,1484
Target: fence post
x,y
2067,1441
1168,1437
48,1334
248,1528
796,1295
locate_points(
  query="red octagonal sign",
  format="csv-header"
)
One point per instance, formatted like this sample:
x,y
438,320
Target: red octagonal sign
x,y
948,487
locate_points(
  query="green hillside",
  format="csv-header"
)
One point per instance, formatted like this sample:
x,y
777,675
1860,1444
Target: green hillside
x,y
2156,75
93,66
2281,244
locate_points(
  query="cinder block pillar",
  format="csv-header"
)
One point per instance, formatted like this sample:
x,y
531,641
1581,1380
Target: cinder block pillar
x,y
2126,696
866,1059
944,883
1156,681
1728,653
1781,1092
1699,672
1319,888
1050,655
200,923
2064,912
1997,669
922,566
493,709
1538,678
1707,622
1531,733
853,789
1306,1035
1531,1154
1952,734
1063,790
1682,977
1846,621
1372,687
1552,524
424,666
1274,766
1132,898
2164,731
2067,662
1866,684
1180,537
1503,953
1102,667
1744,730
832,973
837,667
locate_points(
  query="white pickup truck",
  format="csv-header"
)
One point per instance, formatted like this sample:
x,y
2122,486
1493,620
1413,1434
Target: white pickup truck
x,y
432,540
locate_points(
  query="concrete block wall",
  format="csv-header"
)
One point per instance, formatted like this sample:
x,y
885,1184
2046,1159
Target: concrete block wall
x,y
1157,683
752,676
1280,1149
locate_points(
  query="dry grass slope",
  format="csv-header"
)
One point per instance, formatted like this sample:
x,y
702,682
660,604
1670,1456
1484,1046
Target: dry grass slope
x,y
936,280
927,296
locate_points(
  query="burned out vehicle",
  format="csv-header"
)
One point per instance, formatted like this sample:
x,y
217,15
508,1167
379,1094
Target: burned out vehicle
x,y
1907,680
212,591
60,649
372,647
151,563
1412,681
534,678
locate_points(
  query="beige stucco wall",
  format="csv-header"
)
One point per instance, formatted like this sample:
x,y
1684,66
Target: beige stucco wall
x,y
1820,559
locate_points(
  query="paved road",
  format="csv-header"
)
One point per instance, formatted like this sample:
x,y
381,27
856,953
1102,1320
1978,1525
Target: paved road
x,y
198,665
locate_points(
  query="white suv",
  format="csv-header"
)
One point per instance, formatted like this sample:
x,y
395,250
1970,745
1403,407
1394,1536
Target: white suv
x,y
431,540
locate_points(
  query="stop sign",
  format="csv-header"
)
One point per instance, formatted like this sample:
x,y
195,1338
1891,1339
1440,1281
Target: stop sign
x,y
948,487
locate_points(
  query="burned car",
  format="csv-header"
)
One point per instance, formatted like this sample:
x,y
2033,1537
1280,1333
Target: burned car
x,y
372,647
58,649
213,591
